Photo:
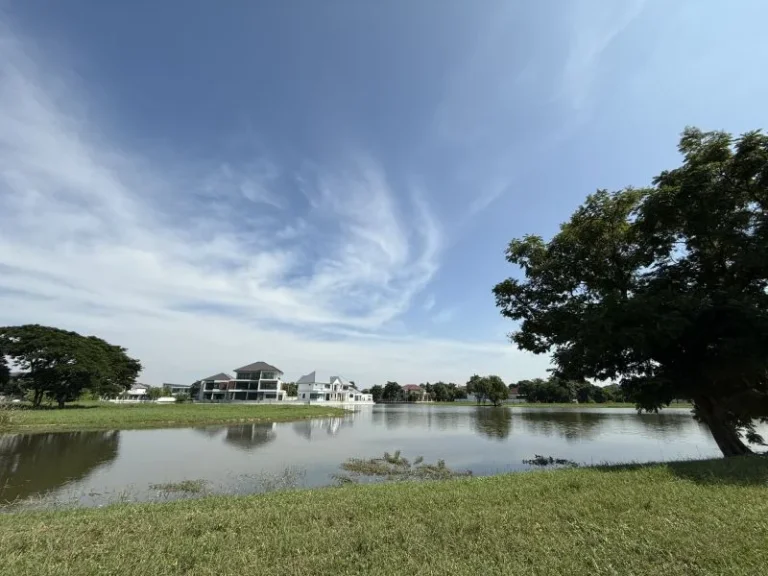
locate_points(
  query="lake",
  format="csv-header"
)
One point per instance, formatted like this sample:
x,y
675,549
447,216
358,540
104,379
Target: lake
x,y
95,468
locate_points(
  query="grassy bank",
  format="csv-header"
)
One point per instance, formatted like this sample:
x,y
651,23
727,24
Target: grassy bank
x,y
125,416
702,518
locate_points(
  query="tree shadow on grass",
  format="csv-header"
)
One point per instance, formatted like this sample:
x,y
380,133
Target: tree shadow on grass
x,y
45,407
739,470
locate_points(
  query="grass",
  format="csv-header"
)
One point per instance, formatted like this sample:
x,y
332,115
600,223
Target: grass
x,y
691,518
186,486
107,416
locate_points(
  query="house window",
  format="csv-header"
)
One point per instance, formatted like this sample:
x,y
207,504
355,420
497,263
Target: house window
x,y
303,395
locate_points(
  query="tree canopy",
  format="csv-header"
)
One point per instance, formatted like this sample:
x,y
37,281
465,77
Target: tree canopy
x,y
61,364
664,288
490,388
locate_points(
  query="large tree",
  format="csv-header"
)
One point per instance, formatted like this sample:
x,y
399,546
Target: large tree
x,y
61,364
664,288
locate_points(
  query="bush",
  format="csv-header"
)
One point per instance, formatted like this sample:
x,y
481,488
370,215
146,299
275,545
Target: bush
x,y
182,398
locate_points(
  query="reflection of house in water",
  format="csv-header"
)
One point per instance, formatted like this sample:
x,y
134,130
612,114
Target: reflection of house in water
x,y
322,426
33,464
250,436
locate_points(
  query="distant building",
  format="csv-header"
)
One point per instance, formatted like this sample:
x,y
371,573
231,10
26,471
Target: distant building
x,y
176,389
316,387
255,382
415,391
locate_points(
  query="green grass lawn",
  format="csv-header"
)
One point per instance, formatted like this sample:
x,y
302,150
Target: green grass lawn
x,y
124,416
691,518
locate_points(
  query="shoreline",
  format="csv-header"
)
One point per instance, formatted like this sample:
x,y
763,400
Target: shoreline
x,y
154,416
675,518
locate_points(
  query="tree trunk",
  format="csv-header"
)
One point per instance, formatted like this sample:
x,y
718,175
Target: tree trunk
x,y
61,403
37,398
725,434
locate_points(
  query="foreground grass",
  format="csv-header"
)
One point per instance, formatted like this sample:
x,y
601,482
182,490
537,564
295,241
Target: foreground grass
x,y
106,416
702,518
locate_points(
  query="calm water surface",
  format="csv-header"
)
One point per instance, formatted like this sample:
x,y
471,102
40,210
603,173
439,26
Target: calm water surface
x,y
93,468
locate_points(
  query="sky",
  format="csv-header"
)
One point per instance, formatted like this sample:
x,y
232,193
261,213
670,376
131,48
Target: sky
x,y
332,185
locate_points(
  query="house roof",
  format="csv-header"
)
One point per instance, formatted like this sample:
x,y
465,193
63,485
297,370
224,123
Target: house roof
x,y
219,376
258,366
177,385
412,388
322,378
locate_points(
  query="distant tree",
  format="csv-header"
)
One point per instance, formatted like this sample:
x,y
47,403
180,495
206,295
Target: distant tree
x,y
154,392
442,393
495,390
392,391
194,390
664,288
458,393
472,383
291,389
377,392
62,364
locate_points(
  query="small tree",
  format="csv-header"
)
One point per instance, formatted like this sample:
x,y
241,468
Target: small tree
x,y
154,392
392,391
377,392
495,390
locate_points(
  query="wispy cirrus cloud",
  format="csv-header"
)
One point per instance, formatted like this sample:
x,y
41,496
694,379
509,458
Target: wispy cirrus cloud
x,y
197,270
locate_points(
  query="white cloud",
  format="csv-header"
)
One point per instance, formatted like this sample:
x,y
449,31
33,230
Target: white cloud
x,y
429,302
97,239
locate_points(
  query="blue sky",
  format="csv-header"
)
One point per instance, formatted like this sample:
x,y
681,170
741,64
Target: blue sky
x,y
331,185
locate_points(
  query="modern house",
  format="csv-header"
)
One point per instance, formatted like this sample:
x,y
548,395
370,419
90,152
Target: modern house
x,y
177,388
255,382
315,387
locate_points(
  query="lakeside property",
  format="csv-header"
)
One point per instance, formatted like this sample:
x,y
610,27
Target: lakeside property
x,y
704,518
108,416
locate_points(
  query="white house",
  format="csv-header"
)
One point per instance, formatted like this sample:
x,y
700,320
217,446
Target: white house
x,y
176,389
315,387
255,382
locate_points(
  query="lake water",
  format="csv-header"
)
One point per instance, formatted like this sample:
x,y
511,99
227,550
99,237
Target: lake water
x,y
94,468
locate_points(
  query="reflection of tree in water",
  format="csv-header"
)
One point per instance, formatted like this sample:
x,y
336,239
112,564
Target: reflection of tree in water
x,y
584,425
250,436
415,416
571,424
325,426
493,422
32,464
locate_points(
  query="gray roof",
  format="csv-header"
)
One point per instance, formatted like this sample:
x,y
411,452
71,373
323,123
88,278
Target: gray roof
x,y
322,378
258,366
219,376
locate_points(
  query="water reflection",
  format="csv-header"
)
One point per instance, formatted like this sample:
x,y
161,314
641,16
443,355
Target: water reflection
x,y
464,436
32,464
493,422
250,436
578,425
398,416
308,429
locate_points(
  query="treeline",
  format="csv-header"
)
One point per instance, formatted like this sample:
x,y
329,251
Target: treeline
x,y
557,390
437,392
60,365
